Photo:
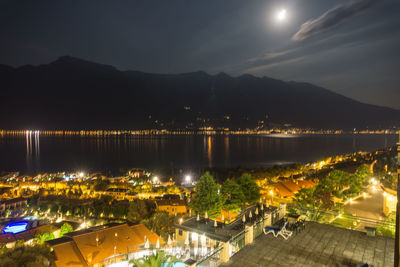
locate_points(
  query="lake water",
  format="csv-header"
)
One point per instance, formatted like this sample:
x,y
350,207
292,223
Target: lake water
x,y
42,153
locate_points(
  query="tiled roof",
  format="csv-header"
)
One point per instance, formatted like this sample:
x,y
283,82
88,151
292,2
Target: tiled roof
x,y
95,244
283,191
306,183
291,186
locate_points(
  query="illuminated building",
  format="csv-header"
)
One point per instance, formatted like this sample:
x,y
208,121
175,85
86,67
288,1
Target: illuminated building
x,y
12,204
172,206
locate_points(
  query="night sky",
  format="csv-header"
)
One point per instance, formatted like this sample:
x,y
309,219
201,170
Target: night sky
x,y
351,47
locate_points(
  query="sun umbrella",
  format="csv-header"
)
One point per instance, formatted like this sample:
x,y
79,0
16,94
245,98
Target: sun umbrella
x,y
187,240
198,217
223,218
215,223
206,215
158,243
256,212
169,240
244,219
147,244
250,215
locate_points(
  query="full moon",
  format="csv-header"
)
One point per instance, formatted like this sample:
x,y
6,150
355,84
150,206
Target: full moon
x,y
281,15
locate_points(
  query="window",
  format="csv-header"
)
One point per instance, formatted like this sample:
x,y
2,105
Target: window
x,y
180,232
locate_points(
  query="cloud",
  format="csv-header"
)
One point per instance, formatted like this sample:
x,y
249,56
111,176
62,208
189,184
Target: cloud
x,y
271,55
331,18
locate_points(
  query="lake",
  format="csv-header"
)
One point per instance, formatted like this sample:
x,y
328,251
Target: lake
x,y
38,153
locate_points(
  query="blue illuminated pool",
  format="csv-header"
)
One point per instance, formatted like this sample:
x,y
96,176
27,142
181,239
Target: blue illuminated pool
x,y
15,227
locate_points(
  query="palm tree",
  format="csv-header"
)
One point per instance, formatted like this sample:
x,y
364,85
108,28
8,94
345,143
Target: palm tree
x,y
160,259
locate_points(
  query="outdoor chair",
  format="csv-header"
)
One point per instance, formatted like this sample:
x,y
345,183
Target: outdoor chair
x,y
278,231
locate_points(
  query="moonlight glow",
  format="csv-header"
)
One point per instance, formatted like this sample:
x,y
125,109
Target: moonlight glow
x,y
281,15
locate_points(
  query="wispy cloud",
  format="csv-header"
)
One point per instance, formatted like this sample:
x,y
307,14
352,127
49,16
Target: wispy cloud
x,y
267,66
331,18
270,55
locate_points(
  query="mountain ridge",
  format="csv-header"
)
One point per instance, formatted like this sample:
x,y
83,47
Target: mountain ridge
x,y
75,93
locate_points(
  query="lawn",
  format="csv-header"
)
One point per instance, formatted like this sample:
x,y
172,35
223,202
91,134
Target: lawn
x,y
346,220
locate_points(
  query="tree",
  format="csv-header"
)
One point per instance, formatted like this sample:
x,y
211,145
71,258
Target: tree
x,y
308,204
29,256
46,236
336,181
250,189
234,197
161,223
139,210
65,228
160,259
362,173
207,198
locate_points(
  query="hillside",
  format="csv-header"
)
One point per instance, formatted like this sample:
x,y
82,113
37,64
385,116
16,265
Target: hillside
x,y
77,94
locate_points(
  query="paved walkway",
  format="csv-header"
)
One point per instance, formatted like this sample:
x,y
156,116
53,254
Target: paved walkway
x,y
318,245
369,208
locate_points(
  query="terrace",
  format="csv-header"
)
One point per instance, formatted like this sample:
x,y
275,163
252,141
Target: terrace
x,y
317,245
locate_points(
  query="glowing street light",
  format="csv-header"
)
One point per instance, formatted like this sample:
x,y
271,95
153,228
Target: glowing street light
x,y
272,195
188,178
81,174
155,179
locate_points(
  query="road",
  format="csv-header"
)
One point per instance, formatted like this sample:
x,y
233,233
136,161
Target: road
x,y
370,207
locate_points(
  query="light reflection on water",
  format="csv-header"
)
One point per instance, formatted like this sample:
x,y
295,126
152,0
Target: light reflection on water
x,y
33,152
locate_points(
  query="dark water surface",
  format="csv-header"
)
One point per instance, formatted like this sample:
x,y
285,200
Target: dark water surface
x,y
41,153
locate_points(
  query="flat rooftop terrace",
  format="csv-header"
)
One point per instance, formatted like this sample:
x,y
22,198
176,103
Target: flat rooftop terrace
x,y
317,245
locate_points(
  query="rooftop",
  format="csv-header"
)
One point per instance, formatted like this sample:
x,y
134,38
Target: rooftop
x,y
170,202
223,232
13,200
317,245
93,245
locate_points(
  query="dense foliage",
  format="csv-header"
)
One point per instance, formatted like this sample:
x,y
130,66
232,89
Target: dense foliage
x,y
314,202
65,229
234,197
250,189
160,259
207,198
27,256
46,236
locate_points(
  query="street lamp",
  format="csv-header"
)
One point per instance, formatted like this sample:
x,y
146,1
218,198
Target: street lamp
x,y
188,179
155,179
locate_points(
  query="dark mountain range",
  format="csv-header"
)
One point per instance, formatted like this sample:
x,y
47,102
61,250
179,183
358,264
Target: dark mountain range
x,y
71,93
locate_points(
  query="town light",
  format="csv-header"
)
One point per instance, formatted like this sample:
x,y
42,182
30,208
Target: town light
x,y
81,174
188,178
155,179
